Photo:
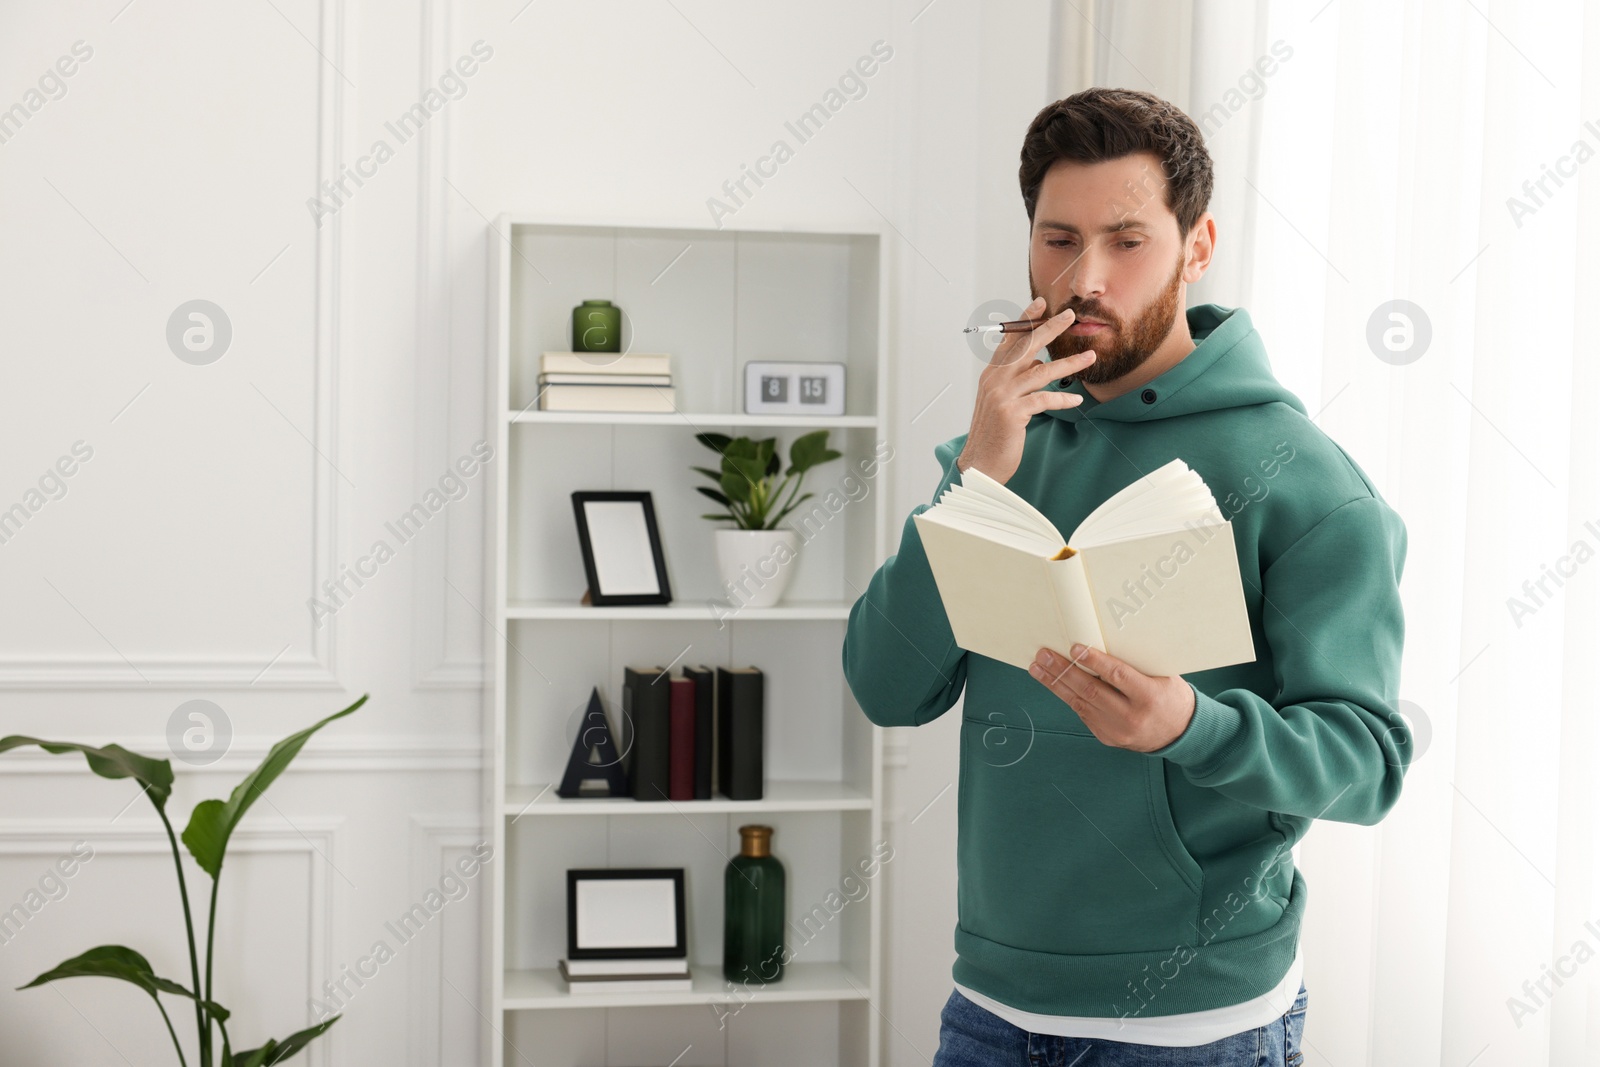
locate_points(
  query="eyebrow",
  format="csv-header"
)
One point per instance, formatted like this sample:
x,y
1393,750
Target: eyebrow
x,y
1124,224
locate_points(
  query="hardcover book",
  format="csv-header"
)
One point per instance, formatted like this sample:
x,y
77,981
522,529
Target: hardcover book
x,y
646,711
741,771
704,723
681,770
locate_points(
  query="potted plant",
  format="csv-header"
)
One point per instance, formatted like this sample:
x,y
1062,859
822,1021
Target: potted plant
x,y
753,557
211,824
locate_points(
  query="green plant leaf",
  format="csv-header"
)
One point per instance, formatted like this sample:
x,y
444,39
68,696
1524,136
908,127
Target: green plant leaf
x,y
717,442
715,476
752,468
279,1051
110,761
731,517
810,450
212,821
713,494
736,487
741,446
115,961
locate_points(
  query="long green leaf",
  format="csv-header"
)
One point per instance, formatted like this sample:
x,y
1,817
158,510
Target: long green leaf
x,y
110,761
714,495
117,961
278,1051
717,442
212,822
715,476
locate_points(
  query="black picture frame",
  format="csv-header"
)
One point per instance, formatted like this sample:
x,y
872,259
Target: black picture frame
x,y
598,542
576,876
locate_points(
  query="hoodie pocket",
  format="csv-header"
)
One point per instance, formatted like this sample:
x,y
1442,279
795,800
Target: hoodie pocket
x,y
1067,845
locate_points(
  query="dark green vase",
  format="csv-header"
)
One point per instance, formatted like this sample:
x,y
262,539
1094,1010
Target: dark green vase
x,y
597,327
752,939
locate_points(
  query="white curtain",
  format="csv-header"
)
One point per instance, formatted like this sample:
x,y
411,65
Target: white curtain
x,y
1445,153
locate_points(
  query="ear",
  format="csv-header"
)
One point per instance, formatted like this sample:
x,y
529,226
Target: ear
x,y
1202,243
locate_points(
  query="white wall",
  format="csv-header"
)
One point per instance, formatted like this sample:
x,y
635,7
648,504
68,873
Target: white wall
x,y
175,164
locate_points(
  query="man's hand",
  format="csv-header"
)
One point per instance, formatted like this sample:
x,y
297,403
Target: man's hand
x,y
1011,392
1123,707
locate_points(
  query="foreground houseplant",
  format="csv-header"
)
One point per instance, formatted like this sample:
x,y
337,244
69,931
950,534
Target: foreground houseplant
x,y
211,824
753,556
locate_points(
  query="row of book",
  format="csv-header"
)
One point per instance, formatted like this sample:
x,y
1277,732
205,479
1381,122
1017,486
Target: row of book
x,y
695,734
605,381
664,974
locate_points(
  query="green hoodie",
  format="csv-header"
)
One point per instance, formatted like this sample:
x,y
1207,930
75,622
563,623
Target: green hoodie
x,y
1099,881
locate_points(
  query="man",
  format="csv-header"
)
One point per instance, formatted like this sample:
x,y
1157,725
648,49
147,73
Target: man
x,y
1125,887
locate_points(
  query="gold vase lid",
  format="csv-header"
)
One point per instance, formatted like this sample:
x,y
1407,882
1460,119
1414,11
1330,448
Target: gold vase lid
x,y
755,840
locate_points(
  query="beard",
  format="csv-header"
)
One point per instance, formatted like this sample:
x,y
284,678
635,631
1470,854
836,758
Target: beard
x,y
1121,347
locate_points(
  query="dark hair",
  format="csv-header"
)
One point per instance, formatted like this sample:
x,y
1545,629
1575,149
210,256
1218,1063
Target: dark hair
x,y
1100,124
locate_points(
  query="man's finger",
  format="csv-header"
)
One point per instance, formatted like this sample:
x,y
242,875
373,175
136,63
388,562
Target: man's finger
x,y
1114,672
1048,331
1075,686
1046,370
1018,350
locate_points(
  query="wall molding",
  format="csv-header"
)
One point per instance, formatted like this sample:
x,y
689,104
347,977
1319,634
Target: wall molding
x,y
319,838
379,753
433,605
460,674
315,670
433,838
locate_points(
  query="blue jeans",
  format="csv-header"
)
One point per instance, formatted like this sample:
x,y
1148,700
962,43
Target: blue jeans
x,y
973,1036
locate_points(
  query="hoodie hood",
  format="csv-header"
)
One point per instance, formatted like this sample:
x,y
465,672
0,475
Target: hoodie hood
x,y
1228,368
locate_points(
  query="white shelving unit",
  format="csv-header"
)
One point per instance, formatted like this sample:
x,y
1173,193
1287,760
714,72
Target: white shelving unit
x,y
713,299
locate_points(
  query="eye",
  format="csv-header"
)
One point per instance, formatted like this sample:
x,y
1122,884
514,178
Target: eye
x,y
1059,244
1130,245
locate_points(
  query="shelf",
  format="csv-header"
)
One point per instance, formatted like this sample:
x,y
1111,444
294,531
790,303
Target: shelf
x,y
569,610
731,300
545,988
693,419
781,796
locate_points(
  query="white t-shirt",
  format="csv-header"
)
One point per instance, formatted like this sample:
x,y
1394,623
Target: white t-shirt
x,y
1171,1031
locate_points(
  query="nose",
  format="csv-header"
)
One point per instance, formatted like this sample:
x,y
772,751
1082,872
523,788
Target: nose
x,y
1086,274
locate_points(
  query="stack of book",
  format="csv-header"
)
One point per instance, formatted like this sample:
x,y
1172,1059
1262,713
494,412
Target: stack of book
x,y
661,974
696,734
605,381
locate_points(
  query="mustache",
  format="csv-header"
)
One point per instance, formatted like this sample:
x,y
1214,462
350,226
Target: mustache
x,y
1089,311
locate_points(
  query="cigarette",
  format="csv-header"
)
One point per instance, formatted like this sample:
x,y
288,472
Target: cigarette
x,y
1014,326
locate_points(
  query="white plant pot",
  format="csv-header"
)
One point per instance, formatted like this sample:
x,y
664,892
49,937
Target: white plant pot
x,y
756,565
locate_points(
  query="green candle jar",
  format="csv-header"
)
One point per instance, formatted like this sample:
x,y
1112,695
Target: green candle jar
x,y
754,905
597,327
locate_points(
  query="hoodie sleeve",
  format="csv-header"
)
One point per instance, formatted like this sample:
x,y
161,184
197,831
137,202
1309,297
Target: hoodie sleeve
x,y
900,655
1332,744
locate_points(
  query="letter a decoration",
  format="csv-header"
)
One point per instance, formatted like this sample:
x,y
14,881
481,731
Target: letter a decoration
x,y
595,767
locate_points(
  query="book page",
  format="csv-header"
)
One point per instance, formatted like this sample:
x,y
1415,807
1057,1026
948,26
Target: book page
x,y
1149,528
976,529
977,493
1172,603
1165,499
1002,601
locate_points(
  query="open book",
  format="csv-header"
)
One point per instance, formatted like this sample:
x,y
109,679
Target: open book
x,y
1150,576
